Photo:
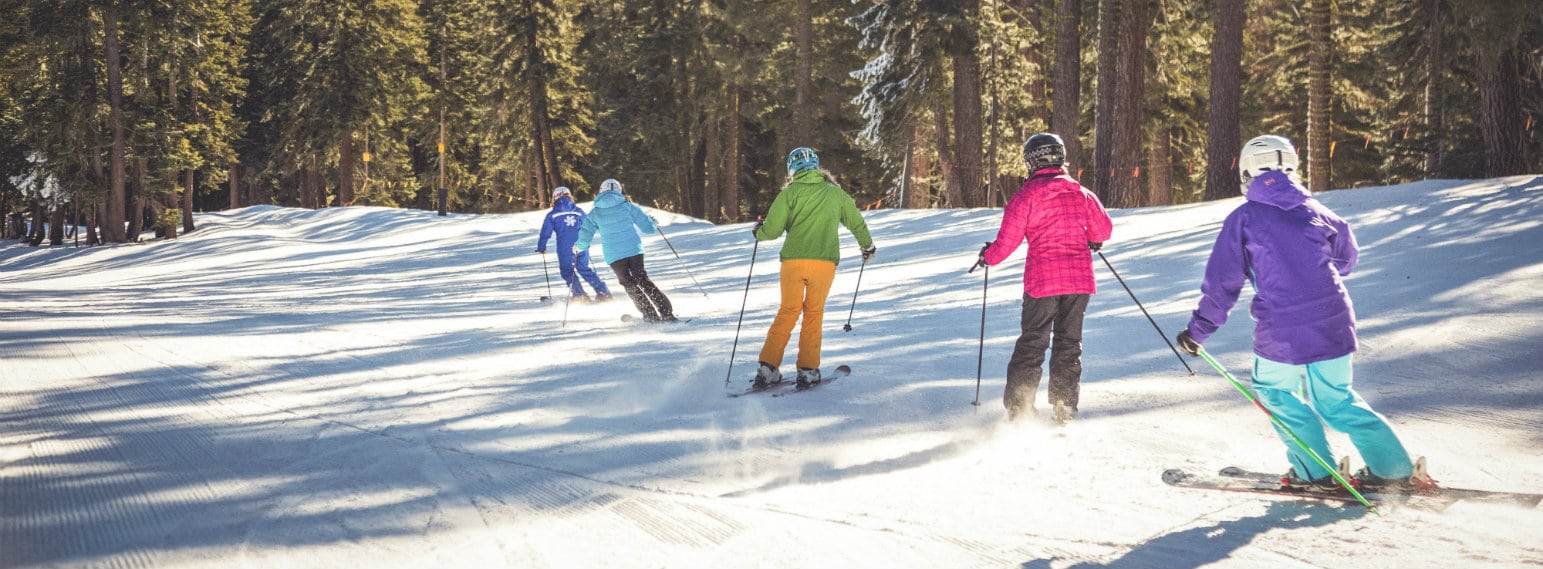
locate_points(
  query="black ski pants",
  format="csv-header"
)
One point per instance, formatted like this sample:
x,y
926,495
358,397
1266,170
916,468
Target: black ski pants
x,y
1053,322
647,297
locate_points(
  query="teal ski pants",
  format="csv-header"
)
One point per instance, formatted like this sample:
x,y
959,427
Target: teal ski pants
x,y
1306,397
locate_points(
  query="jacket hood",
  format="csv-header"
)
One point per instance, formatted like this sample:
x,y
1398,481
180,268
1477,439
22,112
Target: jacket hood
x,y
1047,178
610,198
1277,189
811,176
565,203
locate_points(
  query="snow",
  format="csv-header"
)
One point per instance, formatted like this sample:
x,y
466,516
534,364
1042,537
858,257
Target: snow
x,y
382,388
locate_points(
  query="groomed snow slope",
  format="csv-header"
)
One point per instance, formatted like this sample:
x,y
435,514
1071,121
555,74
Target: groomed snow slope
x,y
381,388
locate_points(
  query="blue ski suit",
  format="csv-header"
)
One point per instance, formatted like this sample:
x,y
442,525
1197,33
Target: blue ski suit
x,y
564,220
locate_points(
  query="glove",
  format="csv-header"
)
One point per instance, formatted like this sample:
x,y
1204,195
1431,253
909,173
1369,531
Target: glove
x,y
757,228
1188,344
870,252
980,259
1094,247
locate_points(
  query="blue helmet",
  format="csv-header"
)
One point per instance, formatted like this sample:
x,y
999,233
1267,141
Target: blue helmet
x,y
802,158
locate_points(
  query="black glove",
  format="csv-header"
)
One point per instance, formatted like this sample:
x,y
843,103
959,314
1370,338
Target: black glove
x,y
1188,344
980,259
757,228
1094,247
870,252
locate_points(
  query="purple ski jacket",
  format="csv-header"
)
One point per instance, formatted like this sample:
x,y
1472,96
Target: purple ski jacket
x,y
1296,253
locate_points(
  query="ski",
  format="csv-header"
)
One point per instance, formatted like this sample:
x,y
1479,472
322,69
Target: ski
x,y
792,380
1523,499
1249,485
840,372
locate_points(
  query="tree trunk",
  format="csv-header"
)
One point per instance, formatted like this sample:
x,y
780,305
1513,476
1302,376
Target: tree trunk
x,y
804,76
967,114
1104,115
1160,169
731,157
56,226
1222,133
117,197
1433,69
187,201
1034,53
1499,111
919,188
235,190
1126,158
136,201
345,168
713,176
1319,168
1068,78
945,158
538,106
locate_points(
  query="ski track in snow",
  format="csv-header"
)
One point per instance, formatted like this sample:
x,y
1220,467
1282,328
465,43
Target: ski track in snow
x,y
370,386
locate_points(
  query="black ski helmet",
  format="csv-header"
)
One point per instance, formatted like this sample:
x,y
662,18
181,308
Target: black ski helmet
x,y
1044,150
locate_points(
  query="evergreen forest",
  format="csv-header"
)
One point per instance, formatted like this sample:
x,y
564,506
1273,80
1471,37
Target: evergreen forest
x,y
119,117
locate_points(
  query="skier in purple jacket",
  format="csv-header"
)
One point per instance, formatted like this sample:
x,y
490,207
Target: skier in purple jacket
x,y
1296,253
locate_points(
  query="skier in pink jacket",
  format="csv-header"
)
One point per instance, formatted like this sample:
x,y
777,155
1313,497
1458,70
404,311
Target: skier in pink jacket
x,y
1063,223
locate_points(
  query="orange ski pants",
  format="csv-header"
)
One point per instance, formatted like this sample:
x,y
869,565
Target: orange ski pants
x,y
805,284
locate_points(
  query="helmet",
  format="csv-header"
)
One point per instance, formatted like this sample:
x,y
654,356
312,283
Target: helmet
x,y
610,184
1268,153
802,158
560,192
1044,150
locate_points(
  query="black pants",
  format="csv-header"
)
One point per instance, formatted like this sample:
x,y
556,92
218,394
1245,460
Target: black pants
x,y
647,297
1054,322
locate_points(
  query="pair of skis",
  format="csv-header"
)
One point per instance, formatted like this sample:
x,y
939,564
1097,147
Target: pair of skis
x,y
778,388
1234,479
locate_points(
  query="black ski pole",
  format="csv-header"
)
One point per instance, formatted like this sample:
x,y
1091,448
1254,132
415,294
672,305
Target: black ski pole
x,y
570,291
680,260
548,274
742,304
1160,333
980,356
848,326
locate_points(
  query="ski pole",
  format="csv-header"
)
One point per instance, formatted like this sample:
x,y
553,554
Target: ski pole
x,y
980,356
548,274
848,326
680,260
570,291
742,304
1144,311
1282,425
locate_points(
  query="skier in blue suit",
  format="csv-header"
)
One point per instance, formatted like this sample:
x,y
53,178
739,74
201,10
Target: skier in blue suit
x,y
564,220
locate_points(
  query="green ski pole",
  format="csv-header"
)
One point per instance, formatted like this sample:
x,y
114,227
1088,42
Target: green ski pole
x,y
1246,393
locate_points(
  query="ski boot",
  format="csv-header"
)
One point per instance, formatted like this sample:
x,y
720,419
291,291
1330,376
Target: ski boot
x,y
1063,413
1415,482
766,376
807,377
1016,412
1325,485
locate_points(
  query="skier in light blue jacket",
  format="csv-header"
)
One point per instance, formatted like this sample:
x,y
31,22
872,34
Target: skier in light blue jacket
x,y
563,221
619,221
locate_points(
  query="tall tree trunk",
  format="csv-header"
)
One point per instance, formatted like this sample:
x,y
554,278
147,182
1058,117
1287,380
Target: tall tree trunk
x,y
1319,168
187,201
1068,78
1222,132
1499,111
56,225
713,176
731,157
1034,54
538,103
1126,158
345,168
919,189
950,193
1160,169
804,76
1108,78
117,197
1434,115
967,113
235,190
136,196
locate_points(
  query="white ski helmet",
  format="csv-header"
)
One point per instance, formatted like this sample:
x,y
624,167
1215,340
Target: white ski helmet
x,y
610,184
1268,153
561,191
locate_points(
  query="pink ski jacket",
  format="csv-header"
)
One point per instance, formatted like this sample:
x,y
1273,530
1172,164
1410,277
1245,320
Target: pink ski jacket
x,y
1058,217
